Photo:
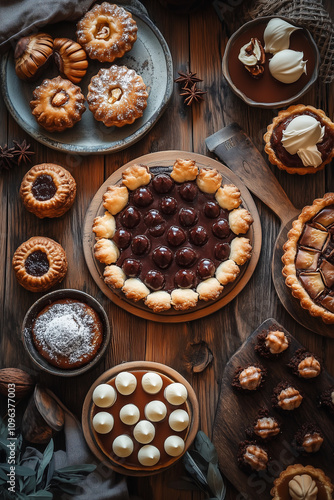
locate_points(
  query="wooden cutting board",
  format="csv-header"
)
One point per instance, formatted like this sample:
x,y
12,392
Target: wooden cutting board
x,y
237,410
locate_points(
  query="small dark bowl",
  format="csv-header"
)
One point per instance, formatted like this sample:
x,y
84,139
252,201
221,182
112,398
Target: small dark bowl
x,y
280,102
46,300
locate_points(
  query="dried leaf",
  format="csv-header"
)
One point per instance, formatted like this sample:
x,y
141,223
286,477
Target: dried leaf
x,y
216,482
204,446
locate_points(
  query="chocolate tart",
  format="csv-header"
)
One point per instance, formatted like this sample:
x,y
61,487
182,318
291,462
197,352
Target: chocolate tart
x,y
39,263
173,238
304,364
48,190
280,491
309,438
103,441
280,157
326,400
309,258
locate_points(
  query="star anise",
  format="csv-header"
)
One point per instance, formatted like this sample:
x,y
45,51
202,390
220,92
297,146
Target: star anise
x,y
6,157
193,94
187,80
22,153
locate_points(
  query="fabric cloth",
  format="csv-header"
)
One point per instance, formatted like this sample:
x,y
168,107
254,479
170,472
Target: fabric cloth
x,y
102,484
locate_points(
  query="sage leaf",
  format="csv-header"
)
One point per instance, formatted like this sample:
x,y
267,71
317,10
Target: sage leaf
x,y
20,470
204,446
3,475
83,468
200,461
215,482
30,485
41,495
194,470
47,456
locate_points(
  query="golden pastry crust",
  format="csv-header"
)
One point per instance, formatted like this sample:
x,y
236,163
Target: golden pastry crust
x,y
227,272
106,251
70,58
209,289
26,263
105,226
283,115
106,32
298,469
289,256
115,199
184,170
40,200
114,276
240,220
158,301
58,104
136,176
183,299
117,96
228,196
135,289
209,180
241,250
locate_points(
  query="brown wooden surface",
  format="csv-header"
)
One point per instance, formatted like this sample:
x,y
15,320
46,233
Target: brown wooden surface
x,y
196,41
232,420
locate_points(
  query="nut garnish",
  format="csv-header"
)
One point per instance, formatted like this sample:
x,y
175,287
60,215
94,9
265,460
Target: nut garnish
x,y
256,457
59,99
103,32
289,399
115,95
276,342
266,427
303,487
250,378
309,367
312,442
253,57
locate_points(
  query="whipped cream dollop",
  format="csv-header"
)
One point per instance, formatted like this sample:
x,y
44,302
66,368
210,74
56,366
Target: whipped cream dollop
x,y
155,411
287,66
103,422
174,446
303,487
301,137
151,382
148,455
126,383
277,35
250,57
104,396
144,432
129,414
122,446
178,420
176,393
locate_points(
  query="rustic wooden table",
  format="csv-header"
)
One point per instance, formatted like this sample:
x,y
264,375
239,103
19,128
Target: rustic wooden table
x,y
196,41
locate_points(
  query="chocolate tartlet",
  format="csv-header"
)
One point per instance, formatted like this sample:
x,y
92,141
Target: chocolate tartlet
x,y
286,397
295,163
326,400
302,481
305,364
265,426
172,238
309,258
48,190
272,343
252,457
39,263
309,438
67,333
250,377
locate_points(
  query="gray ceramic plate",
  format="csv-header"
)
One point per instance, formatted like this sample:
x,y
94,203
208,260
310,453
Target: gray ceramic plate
x,y
150,57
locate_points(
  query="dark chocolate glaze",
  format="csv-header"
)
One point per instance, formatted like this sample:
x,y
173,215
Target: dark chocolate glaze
x,y
37,263
43,188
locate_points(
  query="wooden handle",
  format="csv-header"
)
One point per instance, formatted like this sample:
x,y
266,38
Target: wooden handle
x,y
237,151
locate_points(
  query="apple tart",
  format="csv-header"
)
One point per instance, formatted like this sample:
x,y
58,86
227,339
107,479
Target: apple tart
x,y
302,482
172,236
309,258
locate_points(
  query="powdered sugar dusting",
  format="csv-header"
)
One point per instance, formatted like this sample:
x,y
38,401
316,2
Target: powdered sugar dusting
x,y
65,330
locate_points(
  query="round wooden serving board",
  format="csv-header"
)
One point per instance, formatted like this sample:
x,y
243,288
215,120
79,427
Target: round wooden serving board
x,y
166,159
132,366
237,411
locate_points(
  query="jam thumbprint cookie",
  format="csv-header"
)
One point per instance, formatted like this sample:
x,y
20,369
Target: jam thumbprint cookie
x,y
172,238
48,190
300,140
39,263
106,32
57,104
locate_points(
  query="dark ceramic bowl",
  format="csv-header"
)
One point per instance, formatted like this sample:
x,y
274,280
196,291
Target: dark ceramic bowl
x,y
46,300
285,94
